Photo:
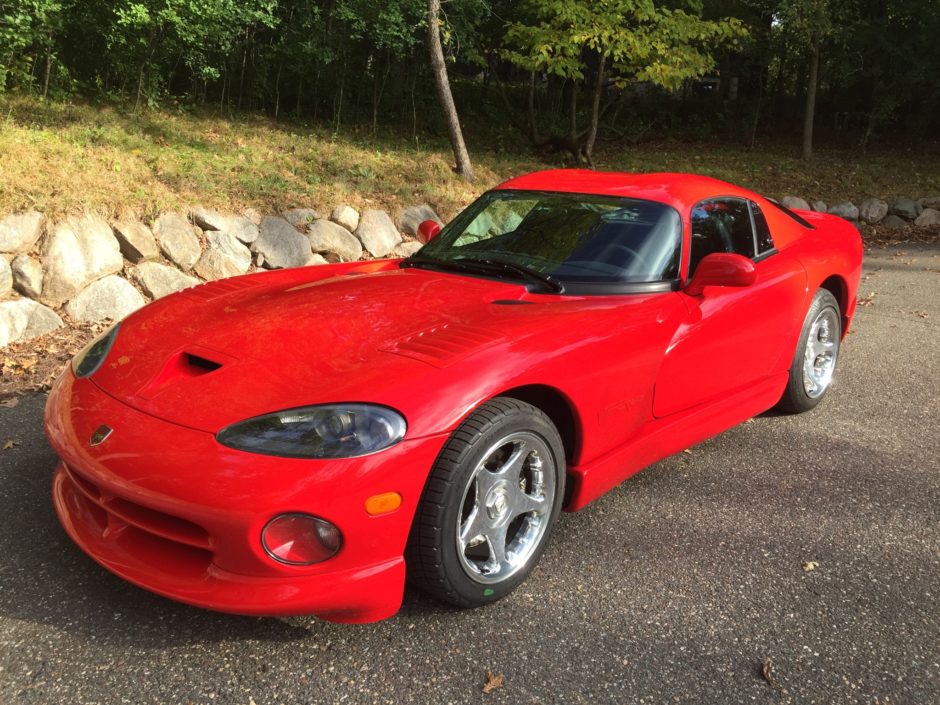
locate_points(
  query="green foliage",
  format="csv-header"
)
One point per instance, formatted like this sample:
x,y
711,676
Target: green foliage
x,y
338,62
640,40
201,33
25,25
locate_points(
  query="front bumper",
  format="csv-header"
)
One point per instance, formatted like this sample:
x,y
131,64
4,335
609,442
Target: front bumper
x,y
169,509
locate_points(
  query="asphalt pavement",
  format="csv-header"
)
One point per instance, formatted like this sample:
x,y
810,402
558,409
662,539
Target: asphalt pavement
x,y
686,584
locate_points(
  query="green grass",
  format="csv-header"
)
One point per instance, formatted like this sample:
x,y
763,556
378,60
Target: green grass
x,y
61,158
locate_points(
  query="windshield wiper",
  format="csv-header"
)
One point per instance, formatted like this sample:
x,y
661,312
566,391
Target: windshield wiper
x,y
520,269
475,264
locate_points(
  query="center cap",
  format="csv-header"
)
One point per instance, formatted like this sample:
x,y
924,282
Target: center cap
x,y
496,503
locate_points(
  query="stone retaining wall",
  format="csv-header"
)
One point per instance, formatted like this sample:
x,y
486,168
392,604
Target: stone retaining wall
x,y
900,214
92,269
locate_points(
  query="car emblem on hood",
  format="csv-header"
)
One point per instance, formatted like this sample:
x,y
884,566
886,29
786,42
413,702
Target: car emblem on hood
x,y
100,435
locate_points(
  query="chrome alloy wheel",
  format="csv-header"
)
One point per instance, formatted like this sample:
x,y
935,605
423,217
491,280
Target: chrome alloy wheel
x,y
506,507
821,353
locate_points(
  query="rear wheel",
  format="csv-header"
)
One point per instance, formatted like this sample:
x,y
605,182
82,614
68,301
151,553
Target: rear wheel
x,y
816,355
488,506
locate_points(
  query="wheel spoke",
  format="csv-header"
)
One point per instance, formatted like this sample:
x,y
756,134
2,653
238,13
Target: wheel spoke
x,y
473,526
527,503
485,481
496,540
513,464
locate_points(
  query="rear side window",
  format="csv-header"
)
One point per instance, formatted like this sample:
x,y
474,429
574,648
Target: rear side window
x,y
721,225
765,243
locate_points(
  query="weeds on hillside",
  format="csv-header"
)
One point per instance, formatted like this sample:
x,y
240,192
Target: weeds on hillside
x,y
65,157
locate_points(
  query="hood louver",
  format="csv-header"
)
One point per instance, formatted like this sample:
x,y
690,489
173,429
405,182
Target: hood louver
x,y
222,287
442,345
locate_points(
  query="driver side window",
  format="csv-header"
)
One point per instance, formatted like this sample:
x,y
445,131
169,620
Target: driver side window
x,y
720,225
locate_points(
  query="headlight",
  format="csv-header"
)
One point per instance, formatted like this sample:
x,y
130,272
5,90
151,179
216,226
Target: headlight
x,y
93,355
328,431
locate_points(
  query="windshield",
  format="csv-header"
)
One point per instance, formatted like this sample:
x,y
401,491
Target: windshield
x,y
568,238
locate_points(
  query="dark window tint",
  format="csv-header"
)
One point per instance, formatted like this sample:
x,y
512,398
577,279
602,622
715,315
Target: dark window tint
x,y
574,238
720,225
765,242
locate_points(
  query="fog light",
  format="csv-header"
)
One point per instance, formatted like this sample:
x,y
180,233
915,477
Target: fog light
x,y
300,539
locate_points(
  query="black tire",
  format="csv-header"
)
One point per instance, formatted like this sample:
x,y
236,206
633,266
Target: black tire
x,y
433,555
796,397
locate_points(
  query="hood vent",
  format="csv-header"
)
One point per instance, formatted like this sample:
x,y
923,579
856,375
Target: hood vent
x,y
443,344
181,366
200,365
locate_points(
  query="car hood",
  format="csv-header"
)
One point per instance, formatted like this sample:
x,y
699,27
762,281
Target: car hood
x,y
237,348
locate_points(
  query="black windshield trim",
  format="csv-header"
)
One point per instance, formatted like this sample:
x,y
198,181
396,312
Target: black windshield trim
x,y
571,288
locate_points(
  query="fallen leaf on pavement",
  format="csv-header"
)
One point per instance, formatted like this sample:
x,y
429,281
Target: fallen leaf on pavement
x,y
810,565
922,314
767,671
10,403
688,451
9,444
493,682
867,300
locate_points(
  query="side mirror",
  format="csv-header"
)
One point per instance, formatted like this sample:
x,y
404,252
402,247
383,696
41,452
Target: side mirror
x,y
721,269
428,230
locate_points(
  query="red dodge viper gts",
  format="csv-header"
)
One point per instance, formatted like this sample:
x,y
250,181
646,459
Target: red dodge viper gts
x,y
298,441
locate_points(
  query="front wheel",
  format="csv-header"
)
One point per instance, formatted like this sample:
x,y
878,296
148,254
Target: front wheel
x,y
816,355
488,506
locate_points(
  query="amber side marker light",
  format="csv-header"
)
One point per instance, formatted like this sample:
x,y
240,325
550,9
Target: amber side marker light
x,y
383,503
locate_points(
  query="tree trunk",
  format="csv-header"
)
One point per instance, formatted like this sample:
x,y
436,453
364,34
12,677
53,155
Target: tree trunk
x,y
414,108
874,102
595,112
809,112
140,87
533,124
572,109
241,78
224,84
446,98
375,104
338,99
378,90
45,78
757,109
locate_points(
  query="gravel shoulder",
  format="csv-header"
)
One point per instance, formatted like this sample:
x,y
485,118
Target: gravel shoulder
x,y
683,585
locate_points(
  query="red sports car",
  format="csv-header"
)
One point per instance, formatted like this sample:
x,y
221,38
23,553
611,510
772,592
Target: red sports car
x,y
297,441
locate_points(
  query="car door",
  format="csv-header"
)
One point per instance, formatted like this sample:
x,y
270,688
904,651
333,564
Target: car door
x,y
731,336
